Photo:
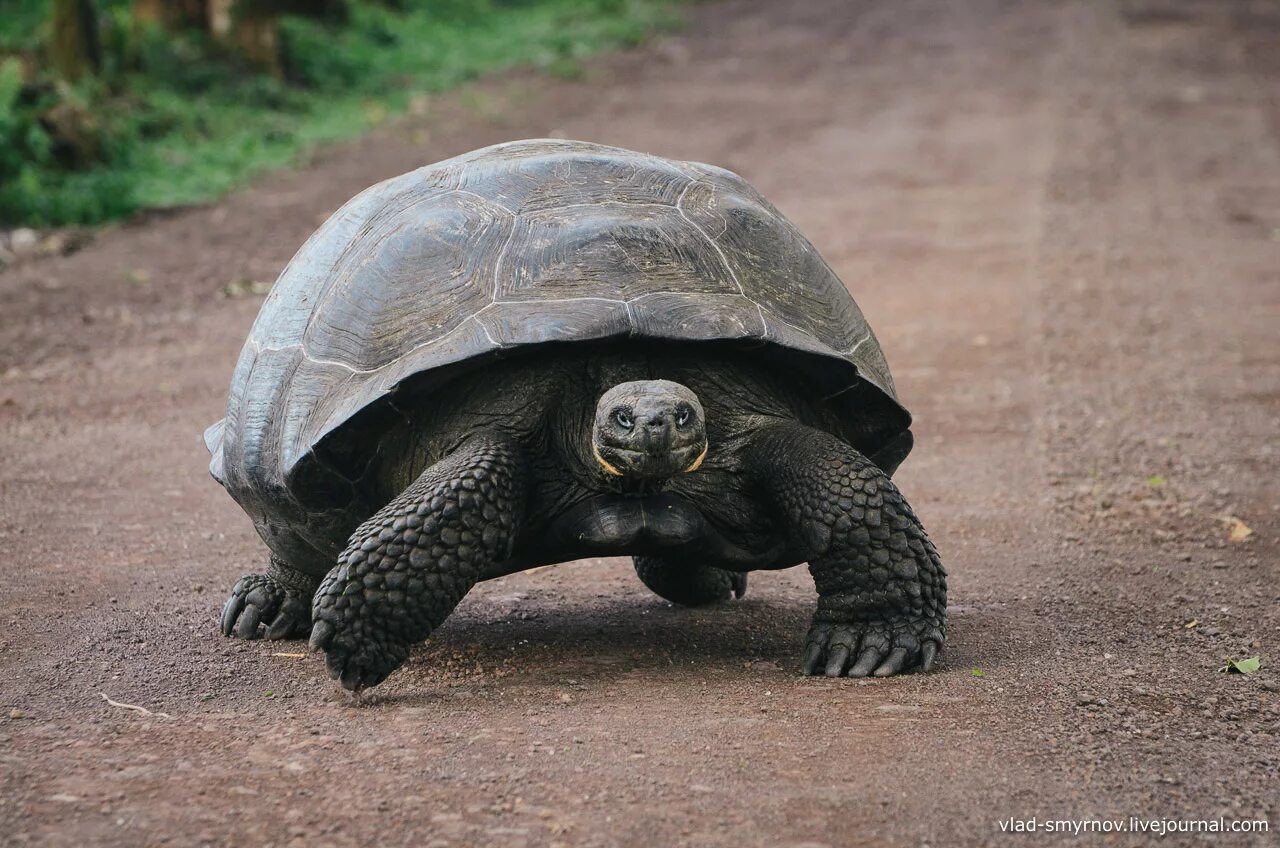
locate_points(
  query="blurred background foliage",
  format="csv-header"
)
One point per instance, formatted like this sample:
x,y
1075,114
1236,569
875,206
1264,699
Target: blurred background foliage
x,y
111,106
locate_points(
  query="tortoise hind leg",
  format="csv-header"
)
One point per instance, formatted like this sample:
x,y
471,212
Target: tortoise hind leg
x,y
408,566
688,584
280,599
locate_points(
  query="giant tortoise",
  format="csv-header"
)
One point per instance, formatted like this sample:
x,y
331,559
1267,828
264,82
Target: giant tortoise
x,y
549,350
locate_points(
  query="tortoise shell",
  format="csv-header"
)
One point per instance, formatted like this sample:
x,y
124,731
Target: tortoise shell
x,y
531,243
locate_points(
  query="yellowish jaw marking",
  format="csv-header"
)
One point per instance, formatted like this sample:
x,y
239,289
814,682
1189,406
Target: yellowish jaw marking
x,y
604,463
697,463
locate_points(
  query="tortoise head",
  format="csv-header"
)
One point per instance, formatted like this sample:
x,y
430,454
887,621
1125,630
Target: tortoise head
x,y
649,430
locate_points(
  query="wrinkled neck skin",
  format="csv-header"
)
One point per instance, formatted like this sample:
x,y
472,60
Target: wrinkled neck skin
x,y
640,487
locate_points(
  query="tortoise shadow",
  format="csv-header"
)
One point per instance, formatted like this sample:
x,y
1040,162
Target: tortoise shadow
x,y
606,641
638,631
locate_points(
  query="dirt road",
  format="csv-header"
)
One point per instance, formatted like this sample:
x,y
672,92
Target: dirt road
x,y
1063,220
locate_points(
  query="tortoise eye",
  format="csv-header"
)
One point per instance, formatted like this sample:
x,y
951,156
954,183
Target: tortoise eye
x,y
623,419
682,416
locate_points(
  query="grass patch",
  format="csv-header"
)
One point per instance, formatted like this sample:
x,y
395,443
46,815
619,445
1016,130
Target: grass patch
x,y
174,120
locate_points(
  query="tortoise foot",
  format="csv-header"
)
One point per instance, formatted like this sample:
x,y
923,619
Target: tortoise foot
x,y
688,584
880,647
359,650
261,599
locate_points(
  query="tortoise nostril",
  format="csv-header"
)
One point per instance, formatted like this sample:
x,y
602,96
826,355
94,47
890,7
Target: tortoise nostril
x,y
656,421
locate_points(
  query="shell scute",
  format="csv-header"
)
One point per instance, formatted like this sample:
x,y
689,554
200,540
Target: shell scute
x,y
422,272
611,251
531,177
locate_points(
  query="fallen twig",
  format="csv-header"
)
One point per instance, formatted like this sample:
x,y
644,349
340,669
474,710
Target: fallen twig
x,y
133,707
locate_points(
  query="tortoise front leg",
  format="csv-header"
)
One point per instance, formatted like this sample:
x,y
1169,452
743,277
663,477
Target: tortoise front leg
x,y
406,568
882,591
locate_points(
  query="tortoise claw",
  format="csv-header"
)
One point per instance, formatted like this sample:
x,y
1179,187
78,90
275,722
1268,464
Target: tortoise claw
x,y
927,655
258,599
870,648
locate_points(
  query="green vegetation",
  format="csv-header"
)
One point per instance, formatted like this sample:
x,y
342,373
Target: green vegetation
x,y
173,117
1249,666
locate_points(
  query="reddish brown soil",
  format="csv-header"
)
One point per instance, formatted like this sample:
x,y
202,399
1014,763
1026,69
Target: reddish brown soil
x,y
1063,219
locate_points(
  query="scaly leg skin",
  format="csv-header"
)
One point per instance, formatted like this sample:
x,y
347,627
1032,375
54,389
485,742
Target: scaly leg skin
x,y
406,568
280,599
688,584
882,591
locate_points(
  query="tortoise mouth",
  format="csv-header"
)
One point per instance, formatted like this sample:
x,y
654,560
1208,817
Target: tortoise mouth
x,y
650,465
